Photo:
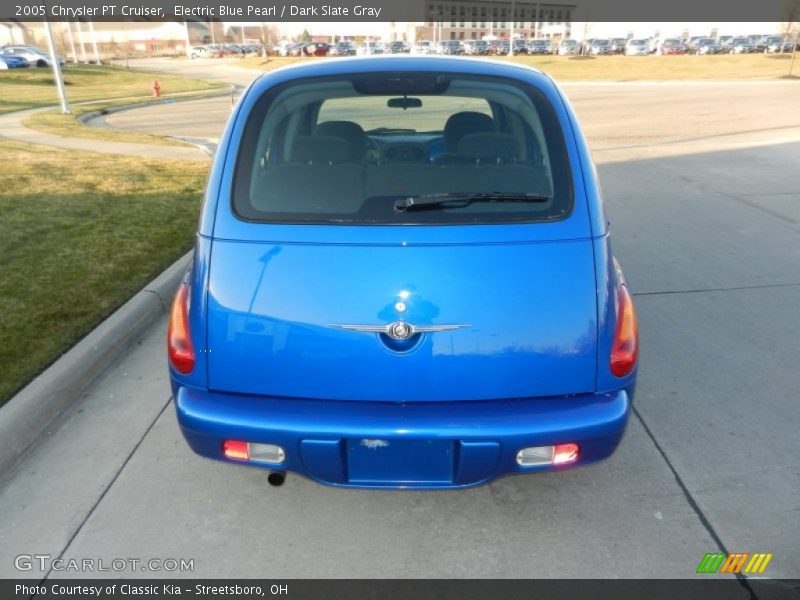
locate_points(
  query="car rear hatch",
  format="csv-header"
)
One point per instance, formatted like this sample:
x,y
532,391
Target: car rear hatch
x,y
526,317
499,297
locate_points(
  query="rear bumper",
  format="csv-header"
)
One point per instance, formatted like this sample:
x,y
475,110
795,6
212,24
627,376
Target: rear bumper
x,y
433,444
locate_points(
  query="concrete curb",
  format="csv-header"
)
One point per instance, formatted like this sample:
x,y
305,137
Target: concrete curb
x,y
207,146
226,91
34,411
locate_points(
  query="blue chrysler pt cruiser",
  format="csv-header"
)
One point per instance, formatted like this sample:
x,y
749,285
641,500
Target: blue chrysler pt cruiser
x,y
403,278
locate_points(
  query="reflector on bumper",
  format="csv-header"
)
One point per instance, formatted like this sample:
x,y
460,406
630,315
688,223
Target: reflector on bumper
x,y
253,452
560,454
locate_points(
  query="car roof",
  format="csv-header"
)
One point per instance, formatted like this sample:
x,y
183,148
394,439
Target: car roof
x,y
430,64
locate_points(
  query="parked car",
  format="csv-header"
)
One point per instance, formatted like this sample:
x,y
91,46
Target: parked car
x,y
282,48
424,47
637,47
618,45
34,56
474,321
307,49
216,50
760,42
451,47
343,49
707,46
586,45
200,52
10,61
395,48
539,47
741,45
568,46
232,49
372,48
775,44
691,45
318,49
520,46
672,46
294,49
476,48
724,41
600,46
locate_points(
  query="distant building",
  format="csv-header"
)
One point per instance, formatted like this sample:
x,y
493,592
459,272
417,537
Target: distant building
x,y
479,19
664,30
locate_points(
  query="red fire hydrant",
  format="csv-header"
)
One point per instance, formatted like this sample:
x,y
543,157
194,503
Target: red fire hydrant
x,y
156,89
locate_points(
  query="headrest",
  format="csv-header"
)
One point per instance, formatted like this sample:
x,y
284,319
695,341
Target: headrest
x,y
351,132
463,123
489,146
319,148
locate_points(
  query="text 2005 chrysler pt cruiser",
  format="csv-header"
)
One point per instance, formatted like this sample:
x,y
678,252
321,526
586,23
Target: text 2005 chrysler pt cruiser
x,y
403,279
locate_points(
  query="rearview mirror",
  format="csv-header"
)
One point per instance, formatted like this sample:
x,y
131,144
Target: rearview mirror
x,y
404,102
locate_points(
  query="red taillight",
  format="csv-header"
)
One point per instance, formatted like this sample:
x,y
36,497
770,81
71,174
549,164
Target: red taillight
x,y
565,453
179,339
625,347
236,449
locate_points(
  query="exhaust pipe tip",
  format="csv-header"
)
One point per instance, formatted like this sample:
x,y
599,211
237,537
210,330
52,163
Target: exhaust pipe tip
x,y
276,478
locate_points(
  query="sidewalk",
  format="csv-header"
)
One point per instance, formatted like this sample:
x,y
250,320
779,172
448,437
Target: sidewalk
x,y
12,127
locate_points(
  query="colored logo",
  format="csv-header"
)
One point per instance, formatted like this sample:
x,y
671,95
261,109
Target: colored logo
x,y
739,562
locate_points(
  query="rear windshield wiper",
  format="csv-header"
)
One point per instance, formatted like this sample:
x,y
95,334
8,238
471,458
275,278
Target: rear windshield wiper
x,y
459,200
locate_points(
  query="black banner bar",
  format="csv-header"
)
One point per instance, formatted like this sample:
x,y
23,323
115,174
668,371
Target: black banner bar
x,y
421,11
711,588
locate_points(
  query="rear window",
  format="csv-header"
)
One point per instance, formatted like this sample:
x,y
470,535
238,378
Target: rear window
x,y
410,148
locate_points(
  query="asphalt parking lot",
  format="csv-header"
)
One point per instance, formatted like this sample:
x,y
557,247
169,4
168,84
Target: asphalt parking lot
x,y
702,186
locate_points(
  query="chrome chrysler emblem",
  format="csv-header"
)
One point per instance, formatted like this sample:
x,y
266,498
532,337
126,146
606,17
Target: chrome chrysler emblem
x,y
399,330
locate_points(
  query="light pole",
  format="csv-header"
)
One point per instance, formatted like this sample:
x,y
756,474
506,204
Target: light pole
x,y
72,43
94,43
263,42
188,43
82,42
511,31
62,94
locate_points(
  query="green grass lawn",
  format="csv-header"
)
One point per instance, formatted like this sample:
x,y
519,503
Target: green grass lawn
x,y
80,233
624,68
34,88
